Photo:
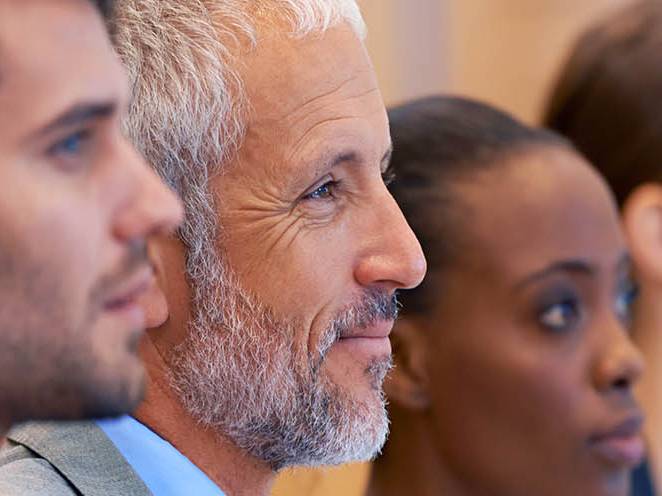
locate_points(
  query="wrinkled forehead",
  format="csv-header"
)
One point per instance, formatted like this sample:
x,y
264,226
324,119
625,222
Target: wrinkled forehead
x,y
541,206
52,55
284,76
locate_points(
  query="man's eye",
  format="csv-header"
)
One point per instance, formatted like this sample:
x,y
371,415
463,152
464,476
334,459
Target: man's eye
x,y
560,316
71,145
323,192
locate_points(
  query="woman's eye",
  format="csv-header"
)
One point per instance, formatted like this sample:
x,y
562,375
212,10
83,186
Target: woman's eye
x,y
560,316
323,192
625,301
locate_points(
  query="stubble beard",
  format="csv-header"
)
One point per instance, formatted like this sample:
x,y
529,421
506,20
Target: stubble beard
x,y
240,373
50,364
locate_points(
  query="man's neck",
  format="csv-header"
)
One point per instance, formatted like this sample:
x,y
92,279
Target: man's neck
x,y
232,469
647,334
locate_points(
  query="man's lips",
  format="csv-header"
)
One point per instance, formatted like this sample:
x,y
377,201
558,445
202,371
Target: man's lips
x,y
124,297
621,445
371,341
377,330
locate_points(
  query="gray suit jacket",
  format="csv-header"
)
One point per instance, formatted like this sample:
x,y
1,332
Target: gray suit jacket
x,y
65,459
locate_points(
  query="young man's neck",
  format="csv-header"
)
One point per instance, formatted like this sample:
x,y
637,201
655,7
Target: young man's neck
x,y
230,468
647,335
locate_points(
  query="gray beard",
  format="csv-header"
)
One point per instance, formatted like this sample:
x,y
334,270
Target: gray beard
x,y
240,373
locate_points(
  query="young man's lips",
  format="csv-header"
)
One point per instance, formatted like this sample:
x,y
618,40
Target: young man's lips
x,y
124,298
622,445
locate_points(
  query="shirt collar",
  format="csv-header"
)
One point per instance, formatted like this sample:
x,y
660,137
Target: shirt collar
x,y
163,469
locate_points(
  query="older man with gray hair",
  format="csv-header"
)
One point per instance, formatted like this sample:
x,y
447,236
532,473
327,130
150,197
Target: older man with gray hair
x,y
269,323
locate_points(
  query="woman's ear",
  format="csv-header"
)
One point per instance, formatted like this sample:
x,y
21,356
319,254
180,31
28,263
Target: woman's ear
x,y
642,221
154,302
407,384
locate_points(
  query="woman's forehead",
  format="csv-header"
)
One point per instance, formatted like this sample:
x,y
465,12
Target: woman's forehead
x,y
541,206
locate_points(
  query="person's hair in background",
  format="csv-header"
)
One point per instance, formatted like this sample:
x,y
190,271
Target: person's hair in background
x,y
607,101
514,372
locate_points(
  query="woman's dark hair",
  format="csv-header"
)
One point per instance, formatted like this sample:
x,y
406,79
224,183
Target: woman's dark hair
x,y
437,142
608,98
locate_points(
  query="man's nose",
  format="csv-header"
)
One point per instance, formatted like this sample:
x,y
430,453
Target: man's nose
x,y
152,209
394,257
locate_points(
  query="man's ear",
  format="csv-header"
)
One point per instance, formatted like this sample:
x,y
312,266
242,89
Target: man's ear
x,y
642,221
154,302
407,384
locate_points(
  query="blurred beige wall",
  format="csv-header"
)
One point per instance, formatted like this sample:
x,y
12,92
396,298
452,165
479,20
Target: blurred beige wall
x,y
506,52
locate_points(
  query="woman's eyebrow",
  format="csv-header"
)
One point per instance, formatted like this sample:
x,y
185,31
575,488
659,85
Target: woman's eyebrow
x,y
572,266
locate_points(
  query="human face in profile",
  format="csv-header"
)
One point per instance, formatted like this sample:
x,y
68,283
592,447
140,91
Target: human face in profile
x,y
530,363
303,209
76,206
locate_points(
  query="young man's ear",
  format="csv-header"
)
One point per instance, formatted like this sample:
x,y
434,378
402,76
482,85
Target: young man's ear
x,y
407,385
154,302
642,221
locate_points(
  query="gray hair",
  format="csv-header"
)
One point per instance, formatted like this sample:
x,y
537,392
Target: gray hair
x,y
189,109
188,117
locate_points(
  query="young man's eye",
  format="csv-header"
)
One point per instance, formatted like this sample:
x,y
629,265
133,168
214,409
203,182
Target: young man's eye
x,y
70,145
560,316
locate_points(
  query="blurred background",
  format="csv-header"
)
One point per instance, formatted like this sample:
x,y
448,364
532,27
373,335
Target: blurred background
x,y
505,52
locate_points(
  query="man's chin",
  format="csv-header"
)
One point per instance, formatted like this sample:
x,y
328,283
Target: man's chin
x,y
357,373
115,392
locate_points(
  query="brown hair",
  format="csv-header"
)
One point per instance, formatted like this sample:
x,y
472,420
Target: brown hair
x,y
607,100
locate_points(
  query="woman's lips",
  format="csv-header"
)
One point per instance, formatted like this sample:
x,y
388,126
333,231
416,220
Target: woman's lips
x,y
622,445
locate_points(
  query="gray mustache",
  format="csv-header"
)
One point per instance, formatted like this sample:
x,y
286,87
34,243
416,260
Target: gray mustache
x,y
373,307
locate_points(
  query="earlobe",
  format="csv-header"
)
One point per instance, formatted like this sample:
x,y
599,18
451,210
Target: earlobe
x,y
642,221
154,302
407,384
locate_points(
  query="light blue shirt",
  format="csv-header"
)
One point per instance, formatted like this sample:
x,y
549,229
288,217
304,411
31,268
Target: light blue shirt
x,y
163,469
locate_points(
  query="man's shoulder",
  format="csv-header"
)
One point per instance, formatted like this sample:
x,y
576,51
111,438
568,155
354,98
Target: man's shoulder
x,y
69,458
23,473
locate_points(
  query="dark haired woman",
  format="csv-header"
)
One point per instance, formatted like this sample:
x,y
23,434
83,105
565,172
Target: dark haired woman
x,y
514,368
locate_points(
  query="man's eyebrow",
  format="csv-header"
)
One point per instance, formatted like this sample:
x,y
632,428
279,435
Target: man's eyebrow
x,y
332,160
76,115
572,266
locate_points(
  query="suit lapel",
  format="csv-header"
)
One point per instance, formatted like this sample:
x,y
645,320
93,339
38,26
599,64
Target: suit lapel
x,y
84,455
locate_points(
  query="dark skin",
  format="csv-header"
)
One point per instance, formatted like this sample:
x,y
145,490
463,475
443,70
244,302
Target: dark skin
x,y
526,360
